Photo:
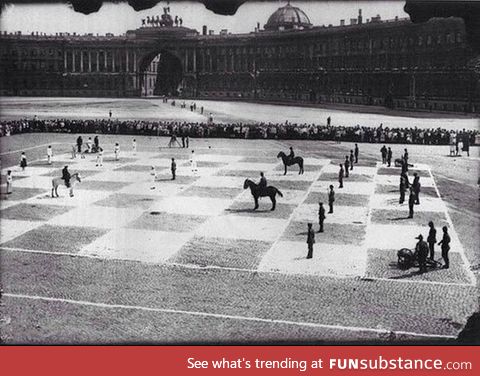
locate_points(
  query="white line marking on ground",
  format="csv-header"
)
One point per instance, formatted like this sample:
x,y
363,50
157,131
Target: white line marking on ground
x,y
35,147
225,316
227,268
453,233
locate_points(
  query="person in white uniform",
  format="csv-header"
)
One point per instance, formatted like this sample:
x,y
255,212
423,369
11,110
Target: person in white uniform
x,y
49,154
193,161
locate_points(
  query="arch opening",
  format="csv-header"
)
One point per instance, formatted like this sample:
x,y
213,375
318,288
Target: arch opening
x,y
162,75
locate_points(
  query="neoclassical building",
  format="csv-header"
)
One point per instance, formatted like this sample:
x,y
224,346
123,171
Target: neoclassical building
x,y
394,63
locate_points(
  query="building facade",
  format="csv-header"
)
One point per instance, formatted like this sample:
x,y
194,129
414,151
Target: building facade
x,y
394,63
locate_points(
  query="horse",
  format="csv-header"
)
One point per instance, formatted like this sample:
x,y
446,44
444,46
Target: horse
x,y
57,181
270,191
287,162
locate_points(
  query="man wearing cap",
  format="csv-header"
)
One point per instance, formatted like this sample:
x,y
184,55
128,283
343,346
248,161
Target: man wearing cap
x,y
340,177
416,187
310,241
347,166
421,250
331,199
411,202
356,153
321,216
445,244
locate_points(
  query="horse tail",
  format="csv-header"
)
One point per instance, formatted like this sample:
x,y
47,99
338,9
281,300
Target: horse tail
x,y
279,193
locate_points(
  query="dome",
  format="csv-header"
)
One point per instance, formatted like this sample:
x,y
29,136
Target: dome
x,y
288,17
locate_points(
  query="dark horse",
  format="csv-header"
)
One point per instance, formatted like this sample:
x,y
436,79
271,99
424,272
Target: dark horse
x,y
287,162
270,191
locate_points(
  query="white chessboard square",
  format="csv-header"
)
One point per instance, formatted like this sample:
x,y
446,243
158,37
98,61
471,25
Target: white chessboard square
x,y
328,259
395,180
360,188
389,201
82,197
218,158
242,227
160,188
97,216
251,166
191,205
402,236
293,175
11,228
137,245
359,170
39,182
341,214
220,181
123,176
315,161
186,170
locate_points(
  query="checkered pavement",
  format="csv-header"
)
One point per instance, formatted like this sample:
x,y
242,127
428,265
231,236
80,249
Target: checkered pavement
x,y
206,218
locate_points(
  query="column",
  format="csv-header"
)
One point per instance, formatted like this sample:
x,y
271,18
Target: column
x,y
73,61
186,60
98,62
113,61
105,59
89,61
134,61
65,60
126,61
194,60
81,61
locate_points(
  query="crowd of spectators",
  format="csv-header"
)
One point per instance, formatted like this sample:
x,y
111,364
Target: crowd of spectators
x,y
380,134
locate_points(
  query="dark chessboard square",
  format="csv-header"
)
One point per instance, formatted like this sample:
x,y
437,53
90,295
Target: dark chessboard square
x,y
246,209
333,177
136,168
19,194
229,253
222,192
334,233
44,163
383,263
32,212
259,159
3,178
400,217
396,171
290,184
83,173
163,221
179,179
49,238
385,188
97,185
342,199
123,200
211,164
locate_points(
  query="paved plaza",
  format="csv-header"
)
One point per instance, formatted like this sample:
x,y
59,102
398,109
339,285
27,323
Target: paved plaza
x,y
193,250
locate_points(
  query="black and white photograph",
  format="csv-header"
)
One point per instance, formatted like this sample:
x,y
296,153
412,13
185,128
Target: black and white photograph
x,y
241,172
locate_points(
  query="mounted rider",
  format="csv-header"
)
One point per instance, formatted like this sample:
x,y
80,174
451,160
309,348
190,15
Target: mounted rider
x,y
291,156
66,176
262,184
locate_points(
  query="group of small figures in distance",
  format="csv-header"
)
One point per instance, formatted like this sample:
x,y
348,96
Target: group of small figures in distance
x,y
165,20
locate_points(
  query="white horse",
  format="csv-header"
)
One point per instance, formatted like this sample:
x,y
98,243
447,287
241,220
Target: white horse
x,y
57,181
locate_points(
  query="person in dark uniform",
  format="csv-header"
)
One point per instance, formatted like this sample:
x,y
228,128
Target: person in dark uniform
x,y
321,216
432,239
291,155
421,248
340,176
262,184
96,143
329,121
79,144
405,159
356,153
383,150
351,159
347,166
310,241
173,168
331,199
445,244
416,188
411,202
403,188
404,165
389,156
66,176
183,140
